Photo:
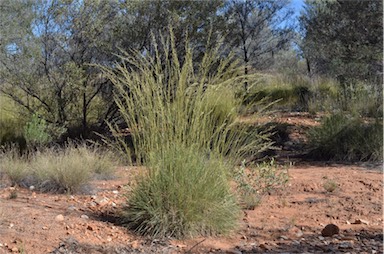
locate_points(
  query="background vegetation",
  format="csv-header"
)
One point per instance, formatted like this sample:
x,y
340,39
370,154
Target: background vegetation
x,y
169,83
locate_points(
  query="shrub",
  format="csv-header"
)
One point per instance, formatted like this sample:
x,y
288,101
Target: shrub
x,y
256,181
330,185
180,117
35,132
11,125
342,137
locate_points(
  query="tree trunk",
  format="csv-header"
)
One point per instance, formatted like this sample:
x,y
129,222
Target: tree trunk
x,y
84,118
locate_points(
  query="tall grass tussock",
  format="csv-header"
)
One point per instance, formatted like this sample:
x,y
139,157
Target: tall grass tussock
x,y
181,115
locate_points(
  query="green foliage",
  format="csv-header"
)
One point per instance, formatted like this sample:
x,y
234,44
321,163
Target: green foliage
x,y
342,137
325,95
35,132
57,170
317,94
362,99
256,181
343,39
181,119
291,92
185,194
11,124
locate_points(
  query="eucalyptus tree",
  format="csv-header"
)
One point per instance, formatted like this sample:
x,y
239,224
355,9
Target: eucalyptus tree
x,y
48,68
344,39
258,29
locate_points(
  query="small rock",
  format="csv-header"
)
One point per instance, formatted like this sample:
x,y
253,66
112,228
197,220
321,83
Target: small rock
x,y
135,244
330,230
321,238
115,192
234,251
113,204
283,237
299,233
109,239
360,221
346,245
101,201
44,228
348,238
264,246
72,208
59,217
15,249
31,187
11,225
85,217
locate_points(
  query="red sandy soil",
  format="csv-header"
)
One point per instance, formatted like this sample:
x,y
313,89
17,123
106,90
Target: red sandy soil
x,y
288,221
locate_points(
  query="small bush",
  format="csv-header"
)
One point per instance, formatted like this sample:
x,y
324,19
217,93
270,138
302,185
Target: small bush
x,y
341,137
330,185
185,194
35,132
11,125
256,181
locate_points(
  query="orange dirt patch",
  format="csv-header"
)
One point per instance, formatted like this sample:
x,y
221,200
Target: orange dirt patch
x,y
289,221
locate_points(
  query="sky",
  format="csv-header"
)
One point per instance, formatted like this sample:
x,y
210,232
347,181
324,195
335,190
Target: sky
x,y
297,6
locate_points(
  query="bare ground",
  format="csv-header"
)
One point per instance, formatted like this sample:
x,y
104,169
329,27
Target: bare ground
x,y
289,221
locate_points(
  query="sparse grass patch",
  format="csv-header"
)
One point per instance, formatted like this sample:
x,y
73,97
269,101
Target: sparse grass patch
x,y
61,171
103,162
256,181
56,170
14,166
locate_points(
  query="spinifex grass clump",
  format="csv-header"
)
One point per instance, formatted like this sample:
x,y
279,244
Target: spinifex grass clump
x,y
184,194
181,116
342,137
